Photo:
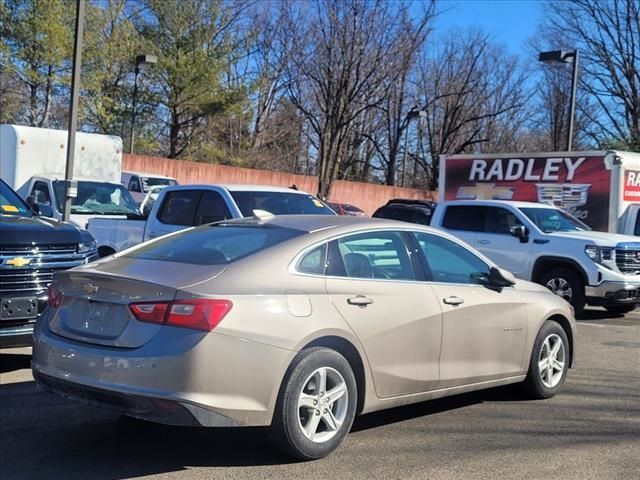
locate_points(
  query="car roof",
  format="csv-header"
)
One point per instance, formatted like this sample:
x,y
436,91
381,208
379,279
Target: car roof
x,y
142,174
53,176
494,203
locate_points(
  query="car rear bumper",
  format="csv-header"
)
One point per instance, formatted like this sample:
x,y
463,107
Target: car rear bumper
x,y
180,377
613,293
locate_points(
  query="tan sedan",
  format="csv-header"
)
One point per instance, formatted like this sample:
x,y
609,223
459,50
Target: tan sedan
x,y
298,323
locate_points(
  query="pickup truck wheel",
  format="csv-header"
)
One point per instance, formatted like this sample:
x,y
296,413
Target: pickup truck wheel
x,y
621,309
567,284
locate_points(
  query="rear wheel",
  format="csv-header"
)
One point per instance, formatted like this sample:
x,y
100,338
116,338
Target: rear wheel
x,y
621,309
316,406
566,284
549,361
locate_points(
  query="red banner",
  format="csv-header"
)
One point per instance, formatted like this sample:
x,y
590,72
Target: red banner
x,y
580,185
632,186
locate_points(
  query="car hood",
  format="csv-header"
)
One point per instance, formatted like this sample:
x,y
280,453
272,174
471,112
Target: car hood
x,y
527,286
604,239
17,230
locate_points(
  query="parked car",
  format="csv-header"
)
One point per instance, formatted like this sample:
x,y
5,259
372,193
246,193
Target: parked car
x,y
32,249
139,184
184,206
407,210
544,244
298,323
346,209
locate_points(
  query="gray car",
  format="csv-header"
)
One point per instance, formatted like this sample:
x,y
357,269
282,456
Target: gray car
x,y
299,323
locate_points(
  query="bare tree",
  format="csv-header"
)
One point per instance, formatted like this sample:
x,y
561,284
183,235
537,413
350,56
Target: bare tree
x,y
607,33
467,88
344,61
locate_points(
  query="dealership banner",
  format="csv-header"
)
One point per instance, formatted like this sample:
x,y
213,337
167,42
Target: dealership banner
x,y
577,184
631,186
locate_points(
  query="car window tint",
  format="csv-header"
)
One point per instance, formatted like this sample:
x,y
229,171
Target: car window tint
x,y
179,207
134,185
465,217
500,220
636,230
41,192
212,208
450,262
375,255
314,261
212,244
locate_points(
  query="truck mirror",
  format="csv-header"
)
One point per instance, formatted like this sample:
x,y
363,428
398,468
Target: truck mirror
x,y
521,232
45,210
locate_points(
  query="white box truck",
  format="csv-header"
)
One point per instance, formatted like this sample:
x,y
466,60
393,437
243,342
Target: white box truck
x,y
601,188
33,160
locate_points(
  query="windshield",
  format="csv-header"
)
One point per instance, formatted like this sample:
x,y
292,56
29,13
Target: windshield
x,y
11,203
280,203
213,244
551,220
98,198
148,182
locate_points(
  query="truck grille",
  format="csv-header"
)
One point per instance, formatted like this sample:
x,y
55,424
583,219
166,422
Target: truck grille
x,y
29,270
628,261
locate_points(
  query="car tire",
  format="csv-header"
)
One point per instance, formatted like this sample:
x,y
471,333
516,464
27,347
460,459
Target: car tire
x,y
567,284
621,309
308,424
548,370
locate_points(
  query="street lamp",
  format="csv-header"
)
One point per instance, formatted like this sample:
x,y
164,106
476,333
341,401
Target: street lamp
x,y
141,60
558,57
413,113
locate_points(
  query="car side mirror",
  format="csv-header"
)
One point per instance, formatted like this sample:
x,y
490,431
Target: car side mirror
x,y
521,232
33,205
45,210
499,278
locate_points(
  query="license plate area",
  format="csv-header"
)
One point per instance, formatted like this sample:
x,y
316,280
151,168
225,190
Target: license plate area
x,y
23,308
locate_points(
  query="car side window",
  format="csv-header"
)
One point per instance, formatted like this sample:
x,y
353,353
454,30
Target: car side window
x,y
465,217
450,262
41,192
212,208
179,207
314,262
381,255
500,220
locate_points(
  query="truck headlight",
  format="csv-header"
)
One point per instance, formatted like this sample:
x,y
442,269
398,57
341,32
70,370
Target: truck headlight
x,y
599,254
87,246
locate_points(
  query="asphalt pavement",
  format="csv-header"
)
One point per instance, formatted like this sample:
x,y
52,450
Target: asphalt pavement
x,y
589,431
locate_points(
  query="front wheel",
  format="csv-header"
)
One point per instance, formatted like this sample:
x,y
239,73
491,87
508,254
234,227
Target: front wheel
x,y
316,406
549,361
566,284
621,309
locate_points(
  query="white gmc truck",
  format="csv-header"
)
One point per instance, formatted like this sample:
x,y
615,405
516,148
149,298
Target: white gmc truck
x,y
544,244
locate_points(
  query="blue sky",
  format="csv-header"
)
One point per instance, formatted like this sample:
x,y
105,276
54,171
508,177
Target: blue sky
x,y
510,22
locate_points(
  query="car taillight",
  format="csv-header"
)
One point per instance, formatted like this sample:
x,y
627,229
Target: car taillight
x,y
54,296
199,314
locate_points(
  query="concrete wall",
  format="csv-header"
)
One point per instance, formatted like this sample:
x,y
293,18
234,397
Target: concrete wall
x,y
367,196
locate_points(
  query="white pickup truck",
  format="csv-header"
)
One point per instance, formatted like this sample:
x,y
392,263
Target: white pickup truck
x,y
544,244
183,206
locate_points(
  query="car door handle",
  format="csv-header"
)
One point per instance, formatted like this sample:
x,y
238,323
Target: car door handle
x,y
453,300
360,300
154,234
484,242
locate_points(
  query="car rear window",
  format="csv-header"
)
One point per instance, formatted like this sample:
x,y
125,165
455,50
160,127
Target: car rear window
x,y
279,203
213,244
465,217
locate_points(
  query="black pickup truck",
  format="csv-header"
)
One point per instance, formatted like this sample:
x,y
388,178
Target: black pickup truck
x,y
32,249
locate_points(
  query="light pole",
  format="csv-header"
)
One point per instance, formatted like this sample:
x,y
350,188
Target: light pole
x,y
141,60
557,57
413,113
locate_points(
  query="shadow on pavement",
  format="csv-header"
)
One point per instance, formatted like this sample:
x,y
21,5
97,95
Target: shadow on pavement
x,y
10,362
590,314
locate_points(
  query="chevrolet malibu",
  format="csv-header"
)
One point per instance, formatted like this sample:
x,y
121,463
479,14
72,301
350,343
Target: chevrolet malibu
x,y
298,323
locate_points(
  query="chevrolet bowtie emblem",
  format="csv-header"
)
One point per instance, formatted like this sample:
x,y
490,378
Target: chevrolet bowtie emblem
x,y
19,262
90,288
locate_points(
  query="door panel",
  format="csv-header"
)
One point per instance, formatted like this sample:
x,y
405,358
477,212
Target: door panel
x,y
482,338
400,329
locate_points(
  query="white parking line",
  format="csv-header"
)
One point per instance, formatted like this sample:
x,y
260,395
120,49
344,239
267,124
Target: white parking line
x,y
600,325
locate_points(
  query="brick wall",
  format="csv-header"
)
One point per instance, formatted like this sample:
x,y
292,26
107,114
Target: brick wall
x,y
367,196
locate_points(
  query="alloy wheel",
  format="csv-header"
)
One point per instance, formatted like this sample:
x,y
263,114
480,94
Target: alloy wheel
x,y
322,404
551,361
560,287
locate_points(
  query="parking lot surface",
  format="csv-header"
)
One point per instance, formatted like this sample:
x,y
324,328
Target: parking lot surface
x,y
589,431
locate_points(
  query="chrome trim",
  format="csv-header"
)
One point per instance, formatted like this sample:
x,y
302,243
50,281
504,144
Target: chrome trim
x,y
14,331
600,291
